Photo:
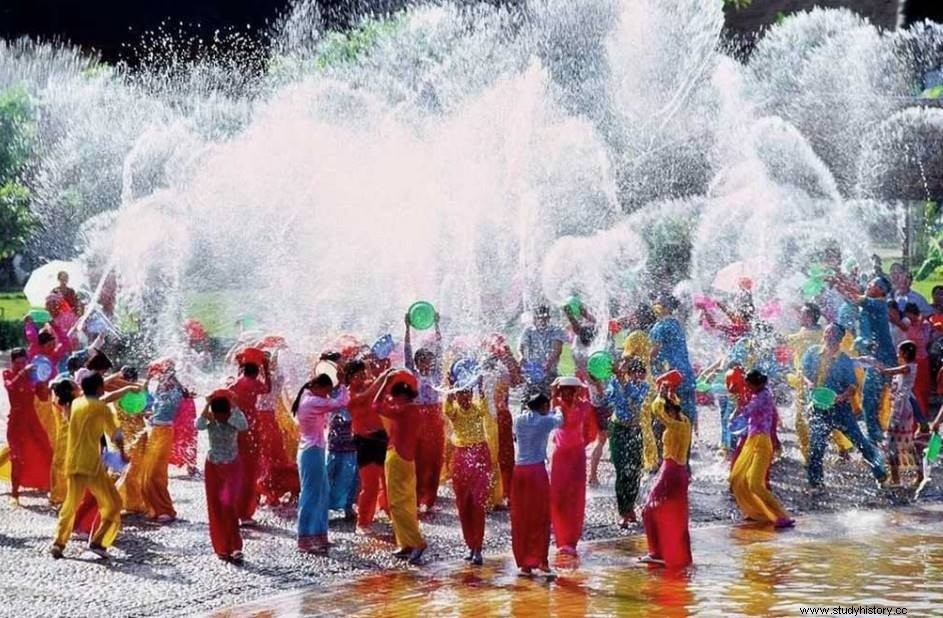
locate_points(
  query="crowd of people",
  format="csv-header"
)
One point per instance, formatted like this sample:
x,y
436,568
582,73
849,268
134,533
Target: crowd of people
x,y
366,434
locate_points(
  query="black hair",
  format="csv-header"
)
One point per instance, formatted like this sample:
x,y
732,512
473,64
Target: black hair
x,y
634,365
16,353
92,384
250,369
45,337
814,311
354,367
911,308
322,379
672,406
402,388
936,288
129,373
644,317
330,355
422,353
908,349
73,363
893,306
99,362
756,378
64,392
587,334
537,402
220,405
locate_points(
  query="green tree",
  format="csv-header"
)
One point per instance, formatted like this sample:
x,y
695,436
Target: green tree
x,y
17,132
15,219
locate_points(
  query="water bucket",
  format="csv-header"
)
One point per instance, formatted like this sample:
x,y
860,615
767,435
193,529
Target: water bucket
x,y
703,386
464,372
719,388
39,316
599,365
823,398
114,462
133,402
574,306
812,288
382,347
421,315
933,448
42,368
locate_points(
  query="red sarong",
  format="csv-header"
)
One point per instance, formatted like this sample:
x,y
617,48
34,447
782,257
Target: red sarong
x,y
665,516
430,453
183,453
530,515
222,493
506,449
471,480
567,492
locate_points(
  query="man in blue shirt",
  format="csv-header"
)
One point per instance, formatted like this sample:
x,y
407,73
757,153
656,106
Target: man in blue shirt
x,y
827,366
540,348
874,339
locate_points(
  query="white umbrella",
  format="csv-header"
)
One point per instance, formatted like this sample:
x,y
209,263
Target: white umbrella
x,y
728,278
44,279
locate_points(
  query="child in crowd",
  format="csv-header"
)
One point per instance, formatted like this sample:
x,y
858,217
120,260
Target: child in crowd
x,y
901,456
223,422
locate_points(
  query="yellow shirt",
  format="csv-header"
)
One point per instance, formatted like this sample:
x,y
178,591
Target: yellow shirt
x,y
89,421
676,439
468,426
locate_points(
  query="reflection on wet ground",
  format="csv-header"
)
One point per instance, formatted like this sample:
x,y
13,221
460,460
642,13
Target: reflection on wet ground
x,y
887,558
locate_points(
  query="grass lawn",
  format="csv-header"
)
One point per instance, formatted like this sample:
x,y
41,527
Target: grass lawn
x,y
13,306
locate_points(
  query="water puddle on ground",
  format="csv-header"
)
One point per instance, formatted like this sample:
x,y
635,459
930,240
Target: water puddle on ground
x,y
886,558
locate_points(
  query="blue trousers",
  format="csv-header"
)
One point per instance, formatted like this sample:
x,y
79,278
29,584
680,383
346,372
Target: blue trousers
x,y
688,396
312,503
343,478
821,424
874,385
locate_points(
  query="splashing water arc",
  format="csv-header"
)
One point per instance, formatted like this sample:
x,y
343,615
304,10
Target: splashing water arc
x,y
481,158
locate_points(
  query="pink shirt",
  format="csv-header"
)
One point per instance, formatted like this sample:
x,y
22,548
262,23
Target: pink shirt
x,y
313,414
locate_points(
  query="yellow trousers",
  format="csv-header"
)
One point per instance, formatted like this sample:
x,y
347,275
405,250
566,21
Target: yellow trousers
x,y
132,496
6,470
109,507
160,443
59,483
288,426
748,481
491,437
401,495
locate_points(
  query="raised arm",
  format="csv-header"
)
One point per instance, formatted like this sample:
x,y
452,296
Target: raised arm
x,y
408,346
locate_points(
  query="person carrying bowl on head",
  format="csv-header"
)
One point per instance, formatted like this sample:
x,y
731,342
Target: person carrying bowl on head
x,y
426,364
253,382
748,477
665,514
223,422
540,347
530,488
826,366
568,463
395,401
471,463
639,344
315,401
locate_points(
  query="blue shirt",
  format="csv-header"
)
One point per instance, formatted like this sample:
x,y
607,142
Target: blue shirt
x,y
668,335
166,403
224,442
625,400
839,375
874,329
531,430
537,343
